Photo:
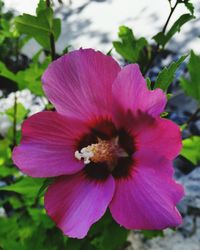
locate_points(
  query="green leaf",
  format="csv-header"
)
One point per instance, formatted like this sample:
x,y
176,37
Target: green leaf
x,y
21,113
189,6
164,114
5,72
5,154
109,53
102,234
36,27
39,27
166,76
129,47
163,39
41,6
27,186
66,49
192,85
56,27
8,228
6,170
149,234
191,149
9,135
15,202
148,80
29,78
4,30
73,244
120,237
44,186
39,216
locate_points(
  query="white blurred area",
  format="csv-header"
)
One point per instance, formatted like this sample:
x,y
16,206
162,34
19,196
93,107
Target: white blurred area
x,y
31,103
97,24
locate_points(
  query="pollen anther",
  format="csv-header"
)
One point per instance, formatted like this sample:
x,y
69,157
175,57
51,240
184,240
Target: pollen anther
x,y
103,151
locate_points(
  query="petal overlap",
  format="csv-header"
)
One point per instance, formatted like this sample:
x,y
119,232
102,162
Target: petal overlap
x,y
130,93
147,199
48,145
79,84
162,136
158,135
76,202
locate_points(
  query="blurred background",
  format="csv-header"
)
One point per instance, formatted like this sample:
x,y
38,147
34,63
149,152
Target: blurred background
x,y
95,23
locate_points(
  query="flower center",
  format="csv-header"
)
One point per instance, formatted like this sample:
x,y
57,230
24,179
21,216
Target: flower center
x,y
104,151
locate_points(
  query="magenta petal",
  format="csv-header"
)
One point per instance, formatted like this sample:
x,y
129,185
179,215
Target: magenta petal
x,y
152,160
130,92
48,145
147,199
162,136
76,202
79,84
157,135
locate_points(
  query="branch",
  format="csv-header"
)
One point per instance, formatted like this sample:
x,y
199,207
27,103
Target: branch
x,y
15,121
169,17
48,3
51,38
156,52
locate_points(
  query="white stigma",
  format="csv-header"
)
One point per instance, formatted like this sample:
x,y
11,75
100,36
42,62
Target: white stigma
x,y
84,154
103,151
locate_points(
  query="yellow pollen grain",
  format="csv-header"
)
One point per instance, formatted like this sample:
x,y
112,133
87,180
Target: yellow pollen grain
x,y
103,151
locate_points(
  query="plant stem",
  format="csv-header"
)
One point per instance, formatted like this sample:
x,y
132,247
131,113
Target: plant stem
x,y
14,120
169,17
157,49
17,51
53,49
51,38
48,3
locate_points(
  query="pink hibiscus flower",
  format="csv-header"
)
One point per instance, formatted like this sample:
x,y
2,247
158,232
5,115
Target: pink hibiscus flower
x,y
106,145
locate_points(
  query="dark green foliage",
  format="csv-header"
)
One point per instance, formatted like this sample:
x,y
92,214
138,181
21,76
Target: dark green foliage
x,y
40,26
29,78
42,233
5,154
130,48
166,76
191,149
192,85
163,39
4,71
102,234
21,232
148,80
189,6
149,234
21,113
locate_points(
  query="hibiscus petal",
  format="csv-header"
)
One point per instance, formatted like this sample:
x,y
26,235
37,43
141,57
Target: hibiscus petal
x,y
79,84
147,199
162,136
48,145
130,92
76,202
158,162
156,135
